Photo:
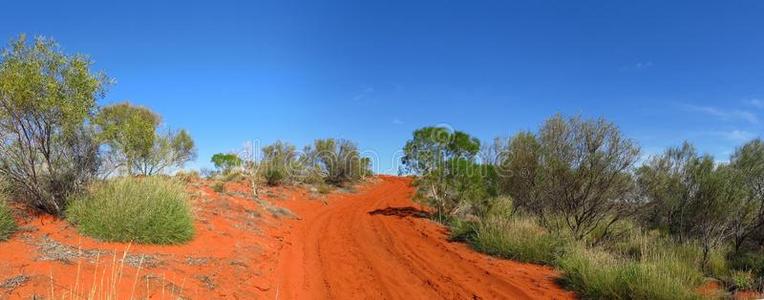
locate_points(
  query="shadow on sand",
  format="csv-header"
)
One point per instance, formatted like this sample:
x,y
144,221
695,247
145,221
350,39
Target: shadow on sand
x,y
402,212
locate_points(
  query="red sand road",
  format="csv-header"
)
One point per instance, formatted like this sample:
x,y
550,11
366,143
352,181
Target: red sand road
x,y
375,245
370,244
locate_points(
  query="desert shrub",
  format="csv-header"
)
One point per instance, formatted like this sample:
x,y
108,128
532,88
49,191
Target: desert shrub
x,y
281,164
692,197
457,188
461,230
597,274
150,210
234,176
339,161
274,177
748,163
577,169
7,223
516,238
324,189
742,280
48,152
188,176
225,163
450,179
749,260
218,187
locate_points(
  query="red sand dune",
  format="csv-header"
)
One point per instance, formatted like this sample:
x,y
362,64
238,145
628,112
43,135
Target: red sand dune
x,y
371,244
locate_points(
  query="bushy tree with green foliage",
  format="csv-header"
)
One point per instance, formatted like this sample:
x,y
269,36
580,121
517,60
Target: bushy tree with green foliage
x,y
339,161
129,131
587,168
47,152
226,162
575,173
430,147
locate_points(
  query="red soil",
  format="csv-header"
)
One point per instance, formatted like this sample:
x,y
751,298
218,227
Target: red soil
x,y
375,245
368,244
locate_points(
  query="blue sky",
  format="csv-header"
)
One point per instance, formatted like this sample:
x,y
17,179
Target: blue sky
x,y
373,71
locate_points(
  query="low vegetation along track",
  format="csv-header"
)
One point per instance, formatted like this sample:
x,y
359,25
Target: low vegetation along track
x,y
376,244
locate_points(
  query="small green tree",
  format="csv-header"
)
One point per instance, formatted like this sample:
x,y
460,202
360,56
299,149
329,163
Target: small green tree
x,y
430,147
129,131
47,152
226,162
448,176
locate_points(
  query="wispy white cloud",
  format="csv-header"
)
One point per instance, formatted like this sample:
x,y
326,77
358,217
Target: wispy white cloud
x,y
726,115
643,65
757,103
736,135
639,66
364,94
397,122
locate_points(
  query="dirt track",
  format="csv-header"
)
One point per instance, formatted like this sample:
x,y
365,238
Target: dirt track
x,y
375,245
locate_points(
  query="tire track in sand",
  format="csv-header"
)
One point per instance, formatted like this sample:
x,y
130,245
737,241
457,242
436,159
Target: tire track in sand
x,y
343,251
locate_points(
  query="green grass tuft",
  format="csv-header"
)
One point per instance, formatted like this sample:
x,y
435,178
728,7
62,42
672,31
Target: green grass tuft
x,y
516,238
596,274
7,223
149,210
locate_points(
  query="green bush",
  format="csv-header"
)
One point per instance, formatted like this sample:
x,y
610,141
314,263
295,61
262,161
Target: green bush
x,y
7,223
273,177
742,280
516,238
234,176
149,210
282,164
219,187
748,260
339,161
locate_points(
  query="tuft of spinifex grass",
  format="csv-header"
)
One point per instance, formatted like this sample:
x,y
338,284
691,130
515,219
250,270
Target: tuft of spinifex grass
x,y
516,238
7,223
596,274
150,210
